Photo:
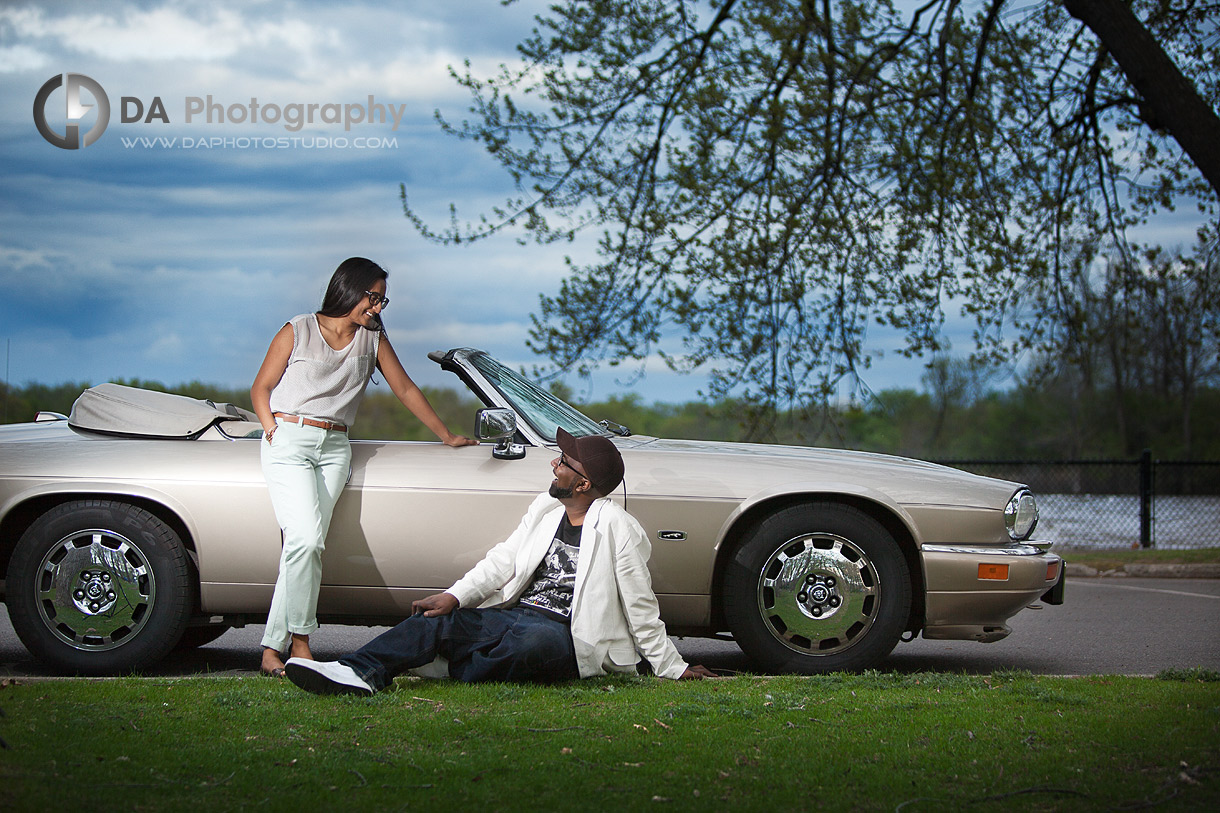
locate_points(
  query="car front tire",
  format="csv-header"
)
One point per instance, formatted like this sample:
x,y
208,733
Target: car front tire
x,y
817,588
99,587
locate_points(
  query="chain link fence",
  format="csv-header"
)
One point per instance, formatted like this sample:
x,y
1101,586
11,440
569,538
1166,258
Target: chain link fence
x,y
1142,502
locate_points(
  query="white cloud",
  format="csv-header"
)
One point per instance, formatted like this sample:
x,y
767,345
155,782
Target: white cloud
x,y
18,58
20,259
167,347
281,53
122,33
465,334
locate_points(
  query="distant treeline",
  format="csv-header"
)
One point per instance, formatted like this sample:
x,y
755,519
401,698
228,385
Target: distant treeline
x,y
1019,423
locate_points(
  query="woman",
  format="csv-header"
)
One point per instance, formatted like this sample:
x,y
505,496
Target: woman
x,y
306,395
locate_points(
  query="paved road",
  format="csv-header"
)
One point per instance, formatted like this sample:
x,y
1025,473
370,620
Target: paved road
x,y
1107,626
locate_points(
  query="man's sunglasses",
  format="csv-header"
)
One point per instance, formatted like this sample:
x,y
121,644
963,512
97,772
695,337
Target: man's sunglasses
x,y
563,461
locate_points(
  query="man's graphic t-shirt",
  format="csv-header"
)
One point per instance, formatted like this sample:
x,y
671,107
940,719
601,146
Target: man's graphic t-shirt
x,y
551,590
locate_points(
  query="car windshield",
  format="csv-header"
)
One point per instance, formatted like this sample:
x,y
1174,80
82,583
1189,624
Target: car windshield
x,y
539,408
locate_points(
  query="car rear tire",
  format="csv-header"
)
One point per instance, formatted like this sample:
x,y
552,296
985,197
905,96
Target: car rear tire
x,y
816,588
99,587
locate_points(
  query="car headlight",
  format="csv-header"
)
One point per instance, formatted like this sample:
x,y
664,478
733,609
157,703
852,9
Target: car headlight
x,y
1021,515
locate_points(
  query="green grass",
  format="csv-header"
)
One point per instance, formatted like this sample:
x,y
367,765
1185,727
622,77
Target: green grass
x,y
1111,559
1009,741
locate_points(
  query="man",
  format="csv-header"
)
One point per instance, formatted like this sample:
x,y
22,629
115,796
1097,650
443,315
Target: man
x,y
567,595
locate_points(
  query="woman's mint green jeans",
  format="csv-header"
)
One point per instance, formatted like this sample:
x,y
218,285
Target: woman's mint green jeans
x,y
305,468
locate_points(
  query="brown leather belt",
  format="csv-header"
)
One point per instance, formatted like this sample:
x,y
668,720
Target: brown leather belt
x,y
327,425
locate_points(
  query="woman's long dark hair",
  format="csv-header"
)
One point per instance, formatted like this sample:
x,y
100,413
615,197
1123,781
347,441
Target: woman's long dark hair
x,y
348,284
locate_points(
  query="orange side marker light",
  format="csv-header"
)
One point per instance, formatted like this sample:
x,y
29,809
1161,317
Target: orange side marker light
x,y
995,572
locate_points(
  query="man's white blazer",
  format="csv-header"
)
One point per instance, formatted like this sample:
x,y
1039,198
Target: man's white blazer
x,y
615,617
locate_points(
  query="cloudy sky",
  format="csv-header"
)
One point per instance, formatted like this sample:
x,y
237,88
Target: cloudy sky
x,y
178,263
173,250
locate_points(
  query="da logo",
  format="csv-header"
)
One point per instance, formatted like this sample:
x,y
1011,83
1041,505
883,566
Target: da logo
x,y
76,110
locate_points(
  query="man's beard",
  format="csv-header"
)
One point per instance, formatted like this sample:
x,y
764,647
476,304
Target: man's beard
x,y
559,492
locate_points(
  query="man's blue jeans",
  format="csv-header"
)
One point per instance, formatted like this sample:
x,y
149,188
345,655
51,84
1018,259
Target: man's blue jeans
x,y
517,644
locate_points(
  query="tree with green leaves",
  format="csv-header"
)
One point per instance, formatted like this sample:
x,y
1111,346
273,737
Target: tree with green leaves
x,y
771,179
1147,343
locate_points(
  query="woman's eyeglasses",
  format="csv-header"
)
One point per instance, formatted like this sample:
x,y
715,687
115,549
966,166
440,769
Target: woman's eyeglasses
x,y
376,299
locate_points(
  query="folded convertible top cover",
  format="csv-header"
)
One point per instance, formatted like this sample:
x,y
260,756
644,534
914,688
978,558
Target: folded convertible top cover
x,y
129,411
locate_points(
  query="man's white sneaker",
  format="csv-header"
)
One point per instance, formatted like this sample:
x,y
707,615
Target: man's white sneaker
x,y
326,677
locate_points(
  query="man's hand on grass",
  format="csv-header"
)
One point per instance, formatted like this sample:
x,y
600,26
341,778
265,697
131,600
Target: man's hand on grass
x,y
697,672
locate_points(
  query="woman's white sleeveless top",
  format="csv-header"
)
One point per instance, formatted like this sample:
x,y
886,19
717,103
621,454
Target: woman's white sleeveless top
x,y
321,382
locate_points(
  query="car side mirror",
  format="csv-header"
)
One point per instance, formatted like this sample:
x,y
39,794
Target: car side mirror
x,y
499,424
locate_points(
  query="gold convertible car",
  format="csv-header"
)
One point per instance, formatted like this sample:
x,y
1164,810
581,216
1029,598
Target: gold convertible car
x,y
141,523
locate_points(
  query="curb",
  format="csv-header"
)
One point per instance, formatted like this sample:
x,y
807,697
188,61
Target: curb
x,y
1151,571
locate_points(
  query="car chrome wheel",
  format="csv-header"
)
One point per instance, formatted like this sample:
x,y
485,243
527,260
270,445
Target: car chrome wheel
x,y
99,587
819,587
95,589
818,593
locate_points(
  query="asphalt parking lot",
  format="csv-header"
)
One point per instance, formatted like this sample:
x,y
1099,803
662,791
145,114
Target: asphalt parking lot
x,y
1120,626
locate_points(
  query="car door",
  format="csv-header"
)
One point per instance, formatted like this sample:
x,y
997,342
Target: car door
x,y
415,516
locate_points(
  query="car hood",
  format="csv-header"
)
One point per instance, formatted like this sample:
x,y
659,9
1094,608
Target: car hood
x,y
749,468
